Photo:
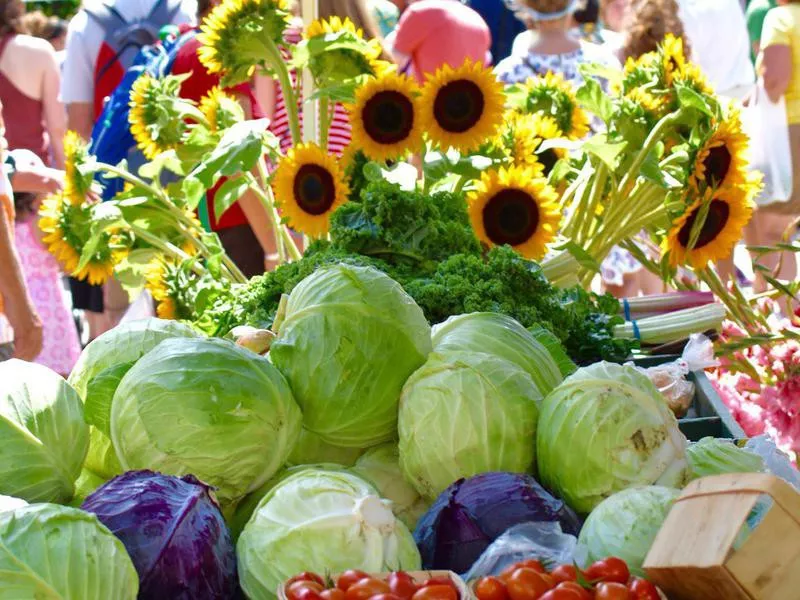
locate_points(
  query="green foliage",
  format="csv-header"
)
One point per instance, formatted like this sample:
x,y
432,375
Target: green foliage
x,y
63,9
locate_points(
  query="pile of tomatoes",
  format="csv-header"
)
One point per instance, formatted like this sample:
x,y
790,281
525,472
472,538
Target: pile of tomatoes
x,y
607,579
358,585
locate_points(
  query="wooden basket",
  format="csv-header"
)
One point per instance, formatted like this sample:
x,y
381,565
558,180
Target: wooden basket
x,y
699,553
464,591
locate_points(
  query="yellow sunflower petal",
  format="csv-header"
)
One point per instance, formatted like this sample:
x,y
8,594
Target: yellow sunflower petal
x,y
722,160
309,185
513,206
221,109
386,118
461,108
729,210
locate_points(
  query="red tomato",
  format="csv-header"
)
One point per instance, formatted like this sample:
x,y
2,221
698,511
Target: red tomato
x,y
438,580
641,589
576,588
402,584
609,569
305,576
526,584
507,572
332,594
611,591
564,573
385,597
531,563
366,588
436,592
561,594
298,590
348,578
491,588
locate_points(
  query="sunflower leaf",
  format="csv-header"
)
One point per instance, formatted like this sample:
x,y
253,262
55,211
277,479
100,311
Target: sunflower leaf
x,y
228,194
591,97
606,151
238,151
193,192
582,256
689,98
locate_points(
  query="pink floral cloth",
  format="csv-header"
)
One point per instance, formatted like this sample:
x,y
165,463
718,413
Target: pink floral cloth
x,y
61,346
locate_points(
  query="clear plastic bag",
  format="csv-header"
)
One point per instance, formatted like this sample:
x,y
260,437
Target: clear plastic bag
x,y
542,541
777,462
670,378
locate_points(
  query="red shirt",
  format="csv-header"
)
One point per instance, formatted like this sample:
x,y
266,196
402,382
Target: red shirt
x,y
197,85
438,32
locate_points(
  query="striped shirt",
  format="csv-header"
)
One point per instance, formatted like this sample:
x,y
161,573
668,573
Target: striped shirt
x,y
339,132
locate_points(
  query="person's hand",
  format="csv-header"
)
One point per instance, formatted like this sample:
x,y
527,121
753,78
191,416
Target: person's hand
x,y
38,180
27,327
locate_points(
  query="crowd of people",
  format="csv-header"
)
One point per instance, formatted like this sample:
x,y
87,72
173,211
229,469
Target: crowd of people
x,y
56,76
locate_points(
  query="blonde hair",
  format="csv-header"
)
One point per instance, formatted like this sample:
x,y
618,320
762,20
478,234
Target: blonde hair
x,y
646,24
355,10
40,25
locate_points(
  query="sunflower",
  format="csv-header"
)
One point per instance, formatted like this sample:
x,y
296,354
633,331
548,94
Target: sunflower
x,y
693,77
722,161
76,185
462,107
66,228
309,185
385,117
673,59
155,281
153,125
240,34
522,136
554,97
513,206
333,25
351,57
652,104
221,109
728,211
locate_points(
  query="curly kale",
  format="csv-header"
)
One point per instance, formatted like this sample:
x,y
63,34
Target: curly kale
x,y
426,244
403,227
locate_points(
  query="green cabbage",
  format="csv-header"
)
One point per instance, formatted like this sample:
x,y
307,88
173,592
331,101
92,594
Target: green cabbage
x,y
349,340
43,438
712,456
209,408
86,483
101,458
381,467
11,503
323,521
625,524
311,450
464,413
605,429
61,553
539,354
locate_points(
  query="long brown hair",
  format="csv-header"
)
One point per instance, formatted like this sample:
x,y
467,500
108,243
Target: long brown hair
x,y
11,13
646,24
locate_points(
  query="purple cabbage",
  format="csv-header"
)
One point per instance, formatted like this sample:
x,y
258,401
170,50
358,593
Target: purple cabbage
x,y
471,513
173,531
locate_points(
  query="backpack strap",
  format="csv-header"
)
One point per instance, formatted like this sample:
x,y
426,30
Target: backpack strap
x,y
164,11
106,16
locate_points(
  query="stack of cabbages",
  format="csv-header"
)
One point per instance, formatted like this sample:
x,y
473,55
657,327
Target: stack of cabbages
x,y
166,448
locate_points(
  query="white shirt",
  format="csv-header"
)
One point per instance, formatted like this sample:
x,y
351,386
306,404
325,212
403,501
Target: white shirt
x,y
717,33
85,37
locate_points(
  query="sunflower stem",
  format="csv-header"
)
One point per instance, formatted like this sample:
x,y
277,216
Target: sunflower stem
x,y
285,81
274,220
598,186
715,284
325,119
268,198
166,248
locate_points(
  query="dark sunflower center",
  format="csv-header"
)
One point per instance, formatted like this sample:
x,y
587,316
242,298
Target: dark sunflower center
x,y
717,218
548,158
511,217
458,106
314,189
717,164
388,117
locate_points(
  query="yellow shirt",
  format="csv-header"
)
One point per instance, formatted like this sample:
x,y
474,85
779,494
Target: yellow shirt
x,y
782,28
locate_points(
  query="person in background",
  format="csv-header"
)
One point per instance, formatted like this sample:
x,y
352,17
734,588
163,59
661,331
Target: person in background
x,y
434,33
244,229
504,26
645,25
779,66
554,48
29,82
102,40
385,14
717,33
20,325
754,15
52,29
61,347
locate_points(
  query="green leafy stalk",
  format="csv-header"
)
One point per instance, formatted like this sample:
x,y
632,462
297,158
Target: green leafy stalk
x,y
279,66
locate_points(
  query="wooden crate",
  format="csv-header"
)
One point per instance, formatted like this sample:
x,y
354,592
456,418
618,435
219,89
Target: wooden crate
x,y
464,591
700,554
708,415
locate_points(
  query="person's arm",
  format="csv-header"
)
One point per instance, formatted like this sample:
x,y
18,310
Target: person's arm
x,y
54,116
776,53
265,93
17,302
37,180
413,28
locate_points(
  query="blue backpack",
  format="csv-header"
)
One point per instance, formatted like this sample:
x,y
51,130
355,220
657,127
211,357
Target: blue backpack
x,y
112,140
